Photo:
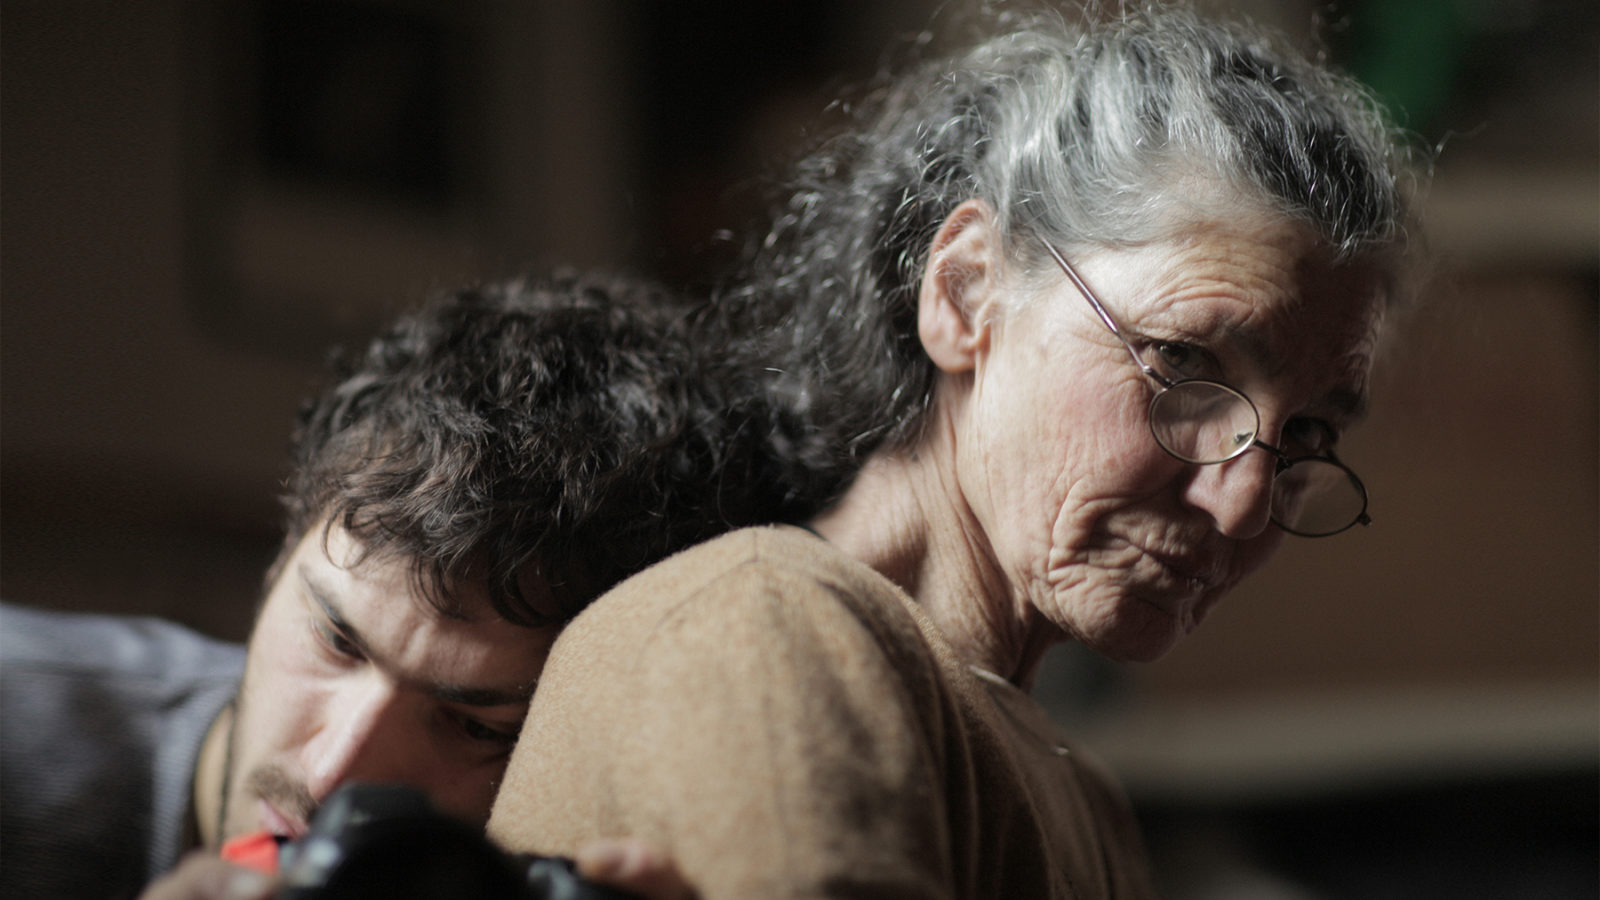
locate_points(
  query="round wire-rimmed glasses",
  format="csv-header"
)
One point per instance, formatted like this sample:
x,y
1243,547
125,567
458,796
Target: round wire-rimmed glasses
x,y
1207,422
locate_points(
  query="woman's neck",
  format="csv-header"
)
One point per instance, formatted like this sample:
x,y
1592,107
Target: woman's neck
x,y
905,515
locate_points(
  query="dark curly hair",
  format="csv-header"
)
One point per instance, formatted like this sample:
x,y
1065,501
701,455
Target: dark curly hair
x,y
565,423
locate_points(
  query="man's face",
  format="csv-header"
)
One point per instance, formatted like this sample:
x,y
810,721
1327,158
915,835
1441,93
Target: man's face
x,y
353,676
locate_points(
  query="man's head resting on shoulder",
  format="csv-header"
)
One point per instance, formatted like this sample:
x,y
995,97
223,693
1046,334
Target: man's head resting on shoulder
x,y
487,467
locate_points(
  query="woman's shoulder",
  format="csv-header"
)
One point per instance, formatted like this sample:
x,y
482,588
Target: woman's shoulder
x,y
763,549
774,561
771,582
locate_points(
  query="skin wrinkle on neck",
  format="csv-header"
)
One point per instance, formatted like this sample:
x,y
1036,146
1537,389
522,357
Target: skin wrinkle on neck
x,y
893,517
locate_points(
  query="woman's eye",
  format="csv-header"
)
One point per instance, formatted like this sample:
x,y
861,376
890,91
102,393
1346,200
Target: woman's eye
x,y
1308,437
1183,360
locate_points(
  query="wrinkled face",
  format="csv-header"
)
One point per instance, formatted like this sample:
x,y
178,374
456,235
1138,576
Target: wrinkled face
x,y
353,676
1122,546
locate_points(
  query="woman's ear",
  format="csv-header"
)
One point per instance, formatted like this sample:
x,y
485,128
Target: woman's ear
x,y
959,286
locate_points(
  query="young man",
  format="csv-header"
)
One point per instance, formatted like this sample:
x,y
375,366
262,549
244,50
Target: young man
x,y
487,467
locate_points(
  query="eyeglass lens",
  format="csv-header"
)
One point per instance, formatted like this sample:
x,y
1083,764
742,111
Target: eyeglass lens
x,y
1203,422
1206,422
1314,497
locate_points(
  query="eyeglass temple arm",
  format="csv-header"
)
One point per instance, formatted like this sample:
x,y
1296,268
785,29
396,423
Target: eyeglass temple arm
x,y
1101,311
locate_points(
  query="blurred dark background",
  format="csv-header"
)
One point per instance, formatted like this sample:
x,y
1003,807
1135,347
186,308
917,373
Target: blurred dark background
x,y
198,198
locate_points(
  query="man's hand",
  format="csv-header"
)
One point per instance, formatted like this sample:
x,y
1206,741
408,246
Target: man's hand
x,y
633,866
202,876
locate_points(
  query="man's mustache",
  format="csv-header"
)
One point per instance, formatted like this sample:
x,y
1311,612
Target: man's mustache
x,y
290,797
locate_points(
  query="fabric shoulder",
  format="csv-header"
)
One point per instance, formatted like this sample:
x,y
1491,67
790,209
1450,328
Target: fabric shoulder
x,y
763,706
748,572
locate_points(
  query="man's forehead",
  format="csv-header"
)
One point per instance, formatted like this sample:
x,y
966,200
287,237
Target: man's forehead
x,y
460,591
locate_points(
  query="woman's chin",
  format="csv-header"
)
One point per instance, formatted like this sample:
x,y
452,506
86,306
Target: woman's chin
x,y
1143,631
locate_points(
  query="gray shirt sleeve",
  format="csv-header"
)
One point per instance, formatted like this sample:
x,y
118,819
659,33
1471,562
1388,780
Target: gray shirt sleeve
x,y
101,720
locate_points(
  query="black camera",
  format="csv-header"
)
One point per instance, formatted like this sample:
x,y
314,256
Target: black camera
x,y
387,841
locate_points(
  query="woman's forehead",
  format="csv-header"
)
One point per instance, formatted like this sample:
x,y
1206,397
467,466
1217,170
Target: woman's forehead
x,y
1273,298
1234,274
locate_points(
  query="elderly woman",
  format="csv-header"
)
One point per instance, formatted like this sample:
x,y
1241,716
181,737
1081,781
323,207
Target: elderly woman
x,y
1092,310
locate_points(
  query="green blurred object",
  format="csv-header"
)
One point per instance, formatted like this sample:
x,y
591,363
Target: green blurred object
x,y
1411,51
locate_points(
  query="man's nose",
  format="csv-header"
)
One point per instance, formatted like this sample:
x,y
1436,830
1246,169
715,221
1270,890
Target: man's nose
x,y
359,739
1237,494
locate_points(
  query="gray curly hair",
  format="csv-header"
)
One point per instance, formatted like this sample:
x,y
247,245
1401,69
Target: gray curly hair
x,y
1085,136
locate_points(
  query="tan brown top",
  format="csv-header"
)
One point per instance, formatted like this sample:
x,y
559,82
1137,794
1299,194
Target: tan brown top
x,y
784,722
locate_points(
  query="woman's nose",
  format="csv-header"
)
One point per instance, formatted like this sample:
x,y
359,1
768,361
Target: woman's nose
x,y
1237,494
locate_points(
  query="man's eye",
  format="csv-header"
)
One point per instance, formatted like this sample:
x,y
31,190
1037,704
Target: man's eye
x,y
337,642
482,731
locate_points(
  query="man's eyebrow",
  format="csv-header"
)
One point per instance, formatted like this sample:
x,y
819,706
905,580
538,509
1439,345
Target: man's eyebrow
x,y
480,696
449,693
324,600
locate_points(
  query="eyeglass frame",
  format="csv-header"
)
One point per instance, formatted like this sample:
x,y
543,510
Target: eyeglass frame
x,y
1282,461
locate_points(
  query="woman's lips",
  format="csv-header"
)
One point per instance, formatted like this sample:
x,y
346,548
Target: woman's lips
x,y
1193,569
1202,570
